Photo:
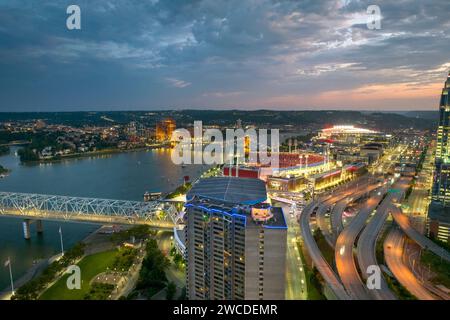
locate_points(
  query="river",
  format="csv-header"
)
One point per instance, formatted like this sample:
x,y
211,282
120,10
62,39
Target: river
x,y
117,176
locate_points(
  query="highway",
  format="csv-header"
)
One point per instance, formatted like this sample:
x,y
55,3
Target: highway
x,y
322,222
403,221
319,261
366,246
327,272
393,254
336,218
345,262
366,250
328,226
336,214
411,255
353,255
418,200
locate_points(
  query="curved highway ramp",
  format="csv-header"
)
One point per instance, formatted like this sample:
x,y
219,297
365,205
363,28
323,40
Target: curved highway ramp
x,y
330,277
393,253
345,261
403,221
366,247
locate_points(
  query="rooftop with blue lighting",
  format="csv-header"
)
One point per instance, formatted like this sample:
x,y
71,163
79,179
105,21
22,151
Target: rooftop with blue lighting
x,y
230,189
236,197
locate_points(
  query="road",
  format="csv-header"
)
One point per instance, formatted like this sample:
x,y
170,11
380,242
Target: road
x,y
319,261
411,257
322,222
295,274
393,254
336,218
366,251
345,262
418,200
165,243
336,214
366,246
403,221
330,277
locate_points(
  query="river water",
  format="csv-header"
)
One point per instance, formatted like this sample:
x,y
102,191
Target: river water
x,y
118,176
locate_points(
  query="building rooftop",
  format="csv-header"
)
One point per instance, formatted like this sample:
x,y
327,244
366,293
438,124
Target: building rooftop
x,y
348,129
327,174
230,189
276,221
373,145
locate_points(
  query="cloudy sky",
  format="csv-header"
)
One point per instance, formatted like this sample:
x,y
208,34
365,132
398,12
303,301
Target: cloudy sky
x,y
246,54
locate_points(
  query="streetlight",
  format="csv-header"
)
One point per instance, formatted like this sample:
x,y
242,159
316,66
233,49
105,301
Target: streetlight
x,y
61,239
8,264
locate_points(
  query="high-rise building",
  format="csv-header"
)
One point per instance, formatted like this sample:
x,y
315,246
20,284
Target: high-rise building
x,y
441,184
235,242
439,210
164,129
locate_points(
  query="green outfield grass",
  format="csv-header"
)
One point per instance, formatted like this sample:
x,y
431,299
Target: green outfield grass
x,y
90,267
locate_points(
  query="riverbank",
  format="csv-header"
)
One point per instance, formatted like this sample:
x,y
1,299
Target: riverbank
x,y
32,273
36,270
3,171
109,262
91,154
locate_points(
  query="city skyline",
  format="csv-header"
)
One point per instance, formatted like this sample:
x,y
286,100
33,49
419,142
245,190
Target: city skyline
x,y
216,55
299,229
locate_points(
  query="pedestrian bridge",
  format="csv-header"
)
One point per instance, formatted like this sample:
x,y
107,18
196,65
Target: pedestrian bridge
x,y
51,207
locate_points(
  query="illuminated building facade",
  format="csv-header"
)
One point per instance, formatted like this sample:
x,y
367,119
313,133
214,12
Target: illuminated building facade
x,y
439,210
286,184
235,243
247,145
323,179
164,129
348,144
290,164
441,184
347,134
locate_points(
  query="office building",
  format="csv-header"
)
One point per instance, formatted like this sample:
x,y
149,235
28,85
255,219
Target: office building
x,y
441,184
438,222
439,210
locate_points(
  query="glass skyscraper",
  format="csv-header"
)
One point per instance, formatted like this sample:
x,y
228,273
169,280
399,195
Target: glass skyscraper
x,y
439,209
441,183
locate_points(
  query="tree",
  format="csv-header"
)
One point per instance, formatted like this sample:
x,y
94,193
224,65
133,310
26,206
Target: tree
x,y
183,294
152,277
171,290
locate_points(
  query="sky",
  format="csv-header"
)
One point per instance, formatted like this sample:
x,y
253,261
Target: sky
x,y
230,54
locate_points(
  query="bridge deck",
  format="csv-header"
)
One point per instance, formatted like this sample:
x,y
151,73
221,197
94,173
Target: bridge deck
x,y
87,209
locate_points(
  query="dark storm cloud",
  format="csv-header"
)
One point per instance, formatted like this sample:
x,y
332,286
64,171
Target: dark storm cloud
x,y
209,53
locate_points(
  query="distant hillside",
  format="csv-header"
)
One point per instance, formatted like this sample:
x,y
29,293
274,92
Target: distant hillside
x,y
269,118
432,115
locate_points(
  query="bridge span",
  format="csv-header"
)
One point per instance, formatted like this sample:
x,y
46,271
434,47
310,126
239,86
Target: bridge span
x,y
36,207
